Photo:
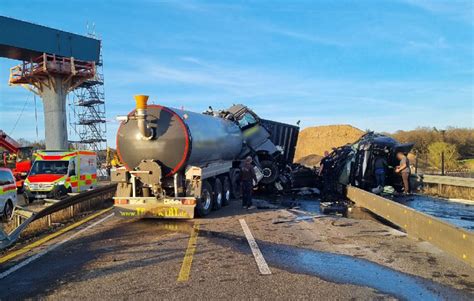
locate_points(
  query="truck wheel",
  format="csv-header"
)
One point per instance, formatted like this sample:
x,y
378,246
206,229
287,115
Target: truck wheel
x,y
270,171
218,194
226,190
204,203
28,200
235,179
8,211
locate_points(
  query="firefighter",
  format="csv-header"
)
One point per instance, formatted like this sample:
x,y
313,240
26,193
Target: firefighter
x,y
247,176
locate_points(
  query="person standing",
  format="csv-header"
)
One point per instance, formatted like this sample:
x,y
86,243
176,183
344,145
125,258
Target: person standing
x,y
324,161
379,165
404,170
247,176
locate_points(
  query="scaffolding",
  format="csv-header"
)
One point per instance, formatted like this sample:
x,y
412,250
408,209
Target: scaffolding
x,y
87,116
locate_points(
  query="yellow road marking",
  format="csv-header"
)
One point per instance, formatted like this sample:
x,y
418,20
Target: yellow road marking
x,y
49,237
188,257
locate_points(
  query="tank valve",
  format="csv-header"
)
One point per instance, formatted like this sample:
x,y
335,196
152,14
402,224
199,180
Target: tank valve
x,y
141,114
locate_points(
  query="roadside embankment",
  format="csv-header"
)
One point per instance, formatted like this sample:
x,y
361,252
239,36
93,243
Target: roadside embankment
x,y
313,141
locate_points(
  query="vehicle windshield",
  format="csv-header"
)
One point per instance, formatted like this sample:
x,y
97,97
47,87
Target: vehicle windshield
x,y
247,120
49,167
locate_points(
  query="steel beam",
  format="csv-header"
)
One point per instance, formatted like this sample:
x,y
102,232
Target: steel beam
x,y
454,240
24,41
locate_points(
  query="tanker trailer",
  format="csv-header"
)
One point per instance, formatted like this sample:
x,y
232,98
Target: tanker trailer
x,y
176,162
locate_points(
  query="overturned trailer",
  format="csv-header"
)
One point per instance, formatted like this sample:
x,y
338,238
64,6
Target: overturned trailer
x,y
178,162
353,164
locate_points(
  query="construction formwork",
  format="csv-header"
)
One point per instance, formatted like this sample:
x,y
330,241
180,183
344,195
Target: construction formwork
x,y
52,77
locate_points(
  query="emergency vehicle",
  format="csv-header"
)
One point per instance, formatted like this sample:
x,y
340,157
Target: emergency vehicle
x,y
56,173
8,197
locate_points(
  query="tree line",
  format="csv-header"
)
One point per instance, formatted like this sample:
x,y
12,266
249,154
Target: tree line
x,y
457,145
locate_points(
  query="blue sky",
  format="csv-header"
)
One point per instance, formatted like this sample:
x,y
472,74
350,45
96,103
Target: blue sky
x,y
380,65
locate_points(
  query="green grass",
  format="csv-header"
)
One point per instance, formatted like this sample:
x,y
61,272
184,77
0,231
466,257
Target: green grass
x,y
468,163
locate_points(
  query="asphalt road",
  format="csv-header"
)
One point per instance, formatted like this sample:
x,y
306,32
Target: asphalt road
x,y
113,258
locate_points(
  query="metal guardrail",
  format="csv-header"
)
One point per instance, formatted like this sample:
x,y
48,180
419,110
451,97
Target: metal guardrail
x,y
447,180
105,192
454,240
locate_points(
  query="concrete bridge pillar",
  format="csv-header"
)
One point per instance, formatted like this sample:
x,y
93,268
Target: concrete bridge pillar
x,y
55,117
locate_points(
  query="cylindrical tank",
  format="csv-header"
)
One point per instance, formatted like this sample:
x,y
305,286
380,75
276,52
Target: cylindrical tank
x,y
180,138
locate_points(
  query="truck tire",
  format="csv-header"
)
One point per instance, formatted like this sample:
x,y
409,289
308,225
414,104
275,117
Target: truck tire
x,y
235,181
218,194
204,203
226,190
27,199
270,171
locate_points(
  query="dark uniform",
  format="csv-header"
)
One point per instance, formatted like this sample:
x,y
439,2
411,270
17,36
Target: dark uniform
x,y
324,165
379,166
247,176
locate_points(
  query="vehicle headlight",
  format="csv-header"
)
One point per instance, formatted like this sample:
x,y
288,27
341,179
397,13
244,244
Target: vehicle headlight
x,y
60,182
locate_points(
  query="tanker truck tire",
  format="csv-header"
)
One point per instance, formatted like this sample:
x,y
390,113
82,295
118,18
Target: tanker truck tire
x,y
226,190
236,187
270,171
218,194
204,203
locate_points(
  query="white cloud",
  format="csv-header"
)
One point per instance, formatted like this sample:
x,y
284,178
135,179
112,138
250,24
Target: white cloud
x,y
458,9
307,37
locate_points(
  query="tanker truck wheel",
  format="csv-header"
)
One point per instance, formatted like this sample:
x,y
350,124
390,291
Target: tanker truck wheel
x,y
204,203
218,194
226,190
235,180
270,171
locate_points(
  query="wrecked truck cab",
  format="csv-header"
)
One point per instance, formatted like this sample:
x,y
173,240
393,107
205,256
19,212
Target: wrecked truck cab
x,y
256,137
354,164
257,142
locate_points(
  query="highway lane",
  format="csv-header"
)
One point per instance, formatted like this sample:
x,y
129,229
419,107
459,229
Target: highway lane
x,y
144,259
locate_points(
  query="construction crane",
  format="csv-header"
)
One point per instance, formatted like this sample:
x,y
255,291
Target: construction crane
x,y
15,157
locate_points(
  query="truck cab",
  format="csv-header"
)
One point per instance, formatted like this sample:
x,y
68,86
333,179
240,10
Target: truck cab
x,y
55,173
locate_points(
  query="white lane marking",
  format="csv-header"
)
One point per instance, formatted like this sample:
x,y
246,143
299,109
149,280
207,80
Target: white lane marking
x,y
259,259
51,248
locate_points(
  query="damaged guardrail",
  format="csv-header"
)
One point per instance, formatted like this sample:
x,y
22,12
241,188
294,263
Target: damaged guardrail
x,y
454,240
25,217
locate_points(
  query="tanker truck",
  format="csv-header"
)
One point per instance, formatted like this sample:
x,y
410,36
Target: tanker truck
x,y
179,163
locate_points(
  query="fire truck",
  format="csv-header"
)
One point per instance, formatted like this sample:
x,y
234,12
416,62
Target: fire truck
x,y
16,158
54,174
